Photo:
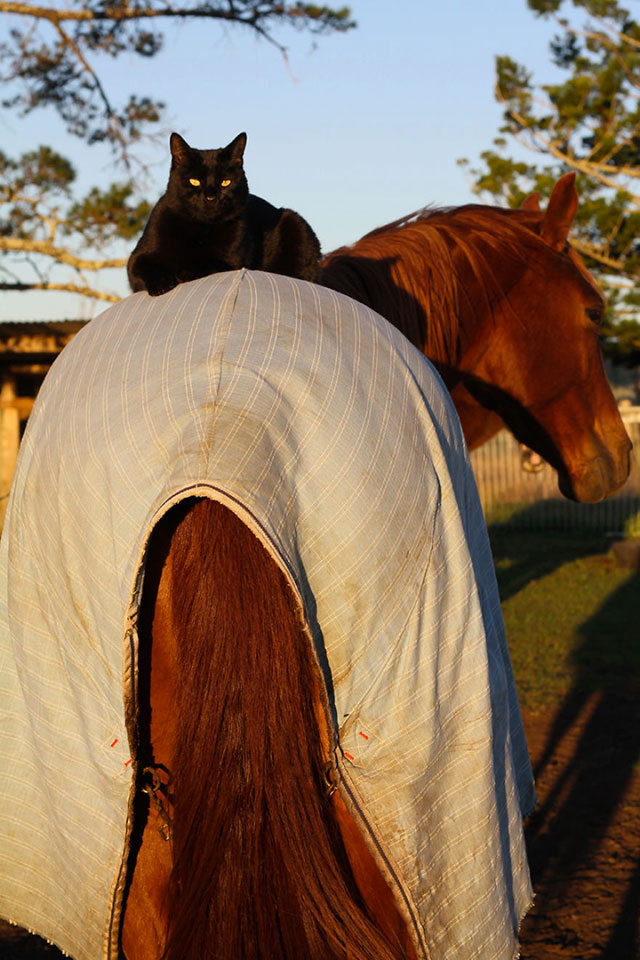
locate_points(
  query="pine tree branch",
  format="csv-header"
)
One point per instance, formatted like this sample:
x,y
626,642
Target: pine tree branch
x,y
117,14
69,82
108,109
606,40
622,37
124,13
595,253
589,168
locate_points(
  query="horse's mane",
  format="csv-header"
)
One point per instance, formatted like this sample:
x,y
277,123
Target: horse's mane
x,y
422,271
260,870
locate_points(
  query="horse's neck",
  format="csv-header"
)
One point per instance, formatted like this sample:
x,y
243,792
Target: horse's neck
x,y
429,280
486,263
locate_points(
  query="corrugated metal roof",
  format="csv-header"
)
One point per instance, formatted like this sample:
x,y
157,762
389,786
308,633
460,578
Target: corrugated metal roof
x,y
24,342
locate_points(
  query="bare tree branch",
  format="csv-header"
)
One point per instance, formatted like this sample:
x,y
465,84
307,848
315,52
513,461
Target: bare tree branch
x,y
66,287
595,253
59,254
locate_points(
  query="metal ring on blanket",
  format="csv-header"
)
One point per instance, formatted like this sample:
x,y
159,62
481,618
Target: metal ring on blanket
x,y
157,789
331,785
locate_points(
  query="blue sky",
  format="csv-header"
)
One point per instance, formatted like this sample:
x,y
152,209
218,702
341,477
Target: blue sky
x,y
358,130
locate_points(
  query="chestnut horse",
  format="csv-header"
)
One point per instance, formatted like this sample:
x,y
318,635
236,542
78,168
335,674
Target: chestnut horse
x,y
246,872
509,314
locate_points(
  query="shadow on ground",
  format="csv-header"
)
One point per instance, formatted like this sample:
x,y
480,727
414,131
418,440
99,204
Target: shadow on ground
x,y
584,836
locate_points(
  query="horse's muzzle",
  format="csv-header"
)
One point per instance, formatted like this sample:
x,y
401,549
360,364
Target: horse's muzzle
x,y
599,477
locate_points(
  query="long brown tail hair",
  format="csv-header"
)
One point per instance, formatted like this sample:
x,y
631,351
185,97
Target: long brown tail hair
x,y
259,867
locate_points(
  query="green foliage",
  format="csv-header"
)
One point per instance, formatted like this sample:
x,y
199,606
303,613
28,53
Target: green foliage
x,y
37,174
317,19
42,226
588,121
41,169
39,178
104,215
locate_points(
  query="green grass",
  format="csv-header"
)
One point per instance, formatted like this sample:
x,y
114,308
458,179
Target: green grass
x,y
572,616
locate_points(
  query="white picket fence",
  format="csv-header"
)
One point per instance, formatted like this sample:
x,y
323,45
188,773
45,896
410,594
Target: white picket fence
x,y
511,495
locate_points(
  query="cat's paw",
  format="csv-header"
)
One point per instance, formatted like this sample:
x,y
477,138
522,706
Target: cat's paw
x,y
146,272
157,286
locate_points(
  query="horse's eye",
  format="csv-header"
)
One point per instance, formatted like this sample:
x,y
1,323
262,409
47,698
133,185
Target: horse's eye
x,y
596,315
225,183
194,182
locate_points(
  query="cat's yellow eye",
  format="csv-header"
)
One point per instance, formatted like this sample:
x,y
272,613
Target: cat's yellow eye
x,y
225,183
194,182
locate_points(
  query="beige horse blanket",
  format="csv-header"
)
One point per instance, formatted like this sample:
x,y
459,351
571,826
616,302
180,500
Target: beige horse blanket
x,y
323,428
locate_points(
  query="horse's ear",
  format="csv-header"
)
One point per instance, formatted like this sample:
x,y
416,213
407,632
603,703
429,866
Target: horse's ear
x,y
532,202
563,204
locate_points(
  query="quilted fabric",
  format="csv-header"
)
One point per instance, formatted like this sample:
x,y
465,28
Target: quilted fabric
x,y
336,442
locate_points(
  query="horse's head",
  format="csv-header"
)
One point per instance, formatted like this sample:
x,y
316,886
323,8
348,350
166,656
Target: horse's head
x,y
505,308
537,359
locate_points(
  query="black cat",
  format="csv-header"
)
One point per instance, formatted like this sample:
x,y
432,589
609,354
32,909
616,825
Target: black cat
x,y
207,222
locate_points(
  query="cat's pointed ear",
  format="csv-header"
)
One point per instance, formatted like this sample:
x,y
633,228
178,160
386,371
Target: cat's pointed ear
x,y
180,149
236,147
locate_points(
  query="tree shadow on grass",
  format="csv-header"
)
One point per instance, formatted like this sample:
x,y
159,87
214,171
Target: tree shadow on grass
x,y
580,531
547,550
566,832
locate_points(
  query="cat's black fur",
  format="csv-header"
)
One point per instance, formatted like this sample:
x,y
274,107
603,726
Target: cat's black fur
x,y
202,228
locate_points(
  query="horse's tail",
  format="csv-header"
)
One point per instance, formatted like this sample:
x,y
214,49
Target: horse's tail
x,y
259,866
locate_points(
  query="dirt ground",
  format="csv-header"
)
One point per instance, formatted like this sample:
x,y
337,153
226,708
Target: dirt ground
x,y
583,838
